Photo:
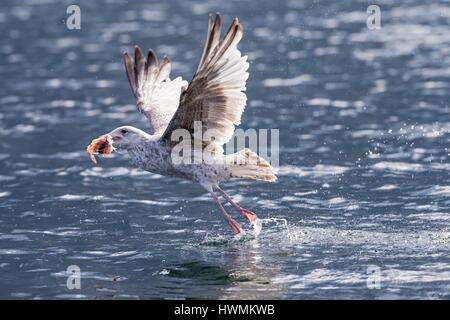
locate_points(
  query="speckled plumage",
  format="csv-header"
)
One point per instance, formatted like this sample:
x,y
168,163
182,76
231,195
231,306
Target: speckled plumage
x,y
154,155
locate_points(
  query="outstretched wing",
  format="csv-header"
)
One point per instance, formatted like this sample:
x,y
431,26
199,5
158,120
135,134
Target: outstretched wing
x,y
156,95
215,96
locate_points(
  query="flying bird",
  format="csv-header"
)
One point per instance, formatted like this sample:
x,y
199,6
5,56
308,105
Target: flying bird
x,y
213,101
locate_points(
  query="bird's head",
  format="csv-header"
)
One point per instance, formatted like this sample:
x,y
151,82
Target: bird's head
x,y
127,137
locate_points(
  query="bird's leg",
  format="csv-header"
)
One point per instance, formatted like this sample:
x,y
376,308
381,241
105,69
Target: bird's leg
x,y
233,224
250,216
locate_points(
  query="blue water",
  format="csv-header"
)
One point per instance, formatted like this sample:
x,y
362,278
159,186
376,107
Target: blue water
x,y
363,185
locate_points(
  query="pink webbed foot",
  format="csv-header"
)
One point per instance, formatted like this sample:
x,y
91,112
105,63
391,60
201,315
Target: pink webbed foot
x,y
235,227
250,216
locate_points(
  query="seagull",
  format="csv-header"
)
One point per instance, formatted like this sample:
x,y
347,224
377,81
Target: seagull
x,y
213,101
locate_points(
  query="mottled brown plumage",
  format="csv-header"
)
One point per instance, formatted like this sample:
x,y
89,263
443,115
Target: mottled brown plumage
x,y
215,95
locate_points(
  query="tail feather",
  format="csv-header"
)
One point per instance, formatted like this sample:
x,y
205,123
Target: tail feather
x,y
247,164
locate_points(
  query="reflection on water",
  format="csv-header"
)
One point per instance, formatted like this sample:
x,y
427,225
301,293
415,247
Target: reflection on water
x,y
364,132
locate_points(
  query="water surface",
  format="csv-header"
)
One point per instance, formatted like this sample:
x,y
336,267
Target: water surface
x,y
364,144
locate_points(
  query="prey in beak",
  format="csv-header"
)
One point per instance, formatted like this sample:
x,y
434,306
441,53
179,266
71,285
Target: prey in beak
x,y
101,145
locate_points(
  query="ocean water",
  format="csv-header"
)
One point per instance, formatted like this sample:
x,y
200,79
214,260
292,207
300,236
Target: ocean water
x,y
362,205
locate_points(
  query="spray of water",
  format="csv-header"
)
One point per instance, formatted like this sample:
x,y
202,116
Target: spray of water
x,y
271,225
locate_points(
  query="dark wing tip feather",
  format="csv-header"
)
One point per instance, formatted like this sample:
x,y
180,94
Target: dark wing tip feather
x,y
152,60
138,56
239,25
140,66
129,68
218,24
234,27
212,38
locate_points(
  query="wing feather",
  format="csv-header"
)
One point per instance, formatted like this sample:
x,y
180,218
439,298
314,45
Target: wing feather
x,y
215,95
157,97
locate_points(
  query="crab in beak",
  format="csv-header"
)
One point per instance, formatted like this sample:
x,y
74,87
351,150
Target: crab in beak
x,y
101,145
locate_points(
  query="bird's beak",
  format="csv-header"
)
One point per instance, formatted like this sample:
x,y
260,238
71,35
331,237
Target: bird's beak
x,y
116,138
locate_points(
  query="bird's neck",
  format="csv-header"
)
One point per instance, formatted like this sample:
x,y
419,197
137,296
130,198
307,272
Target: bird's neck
x,y
149,137
145,138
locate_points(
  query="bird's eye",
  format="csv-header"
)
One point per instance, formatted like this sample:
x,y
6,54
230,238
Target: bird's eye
x,y
123,131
